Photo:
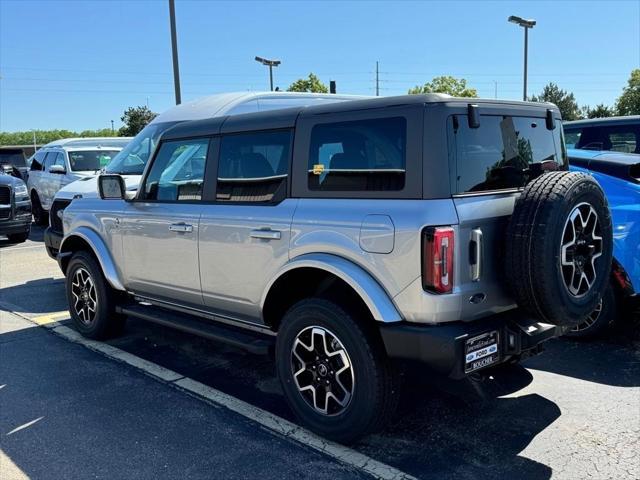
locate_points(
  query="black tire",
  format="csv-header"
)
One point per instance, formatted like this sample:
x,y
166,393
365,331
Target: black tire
x,y
374,394
40,216
599,320
537,235
103,322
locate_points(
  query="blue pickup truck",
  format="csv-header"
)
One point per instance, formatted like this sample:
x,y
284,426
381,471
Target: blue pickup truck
x,y
619,175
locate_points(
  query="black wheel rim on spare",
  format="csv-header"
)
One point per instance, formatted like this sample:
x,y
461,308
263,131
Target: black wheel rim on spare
x,y
322,370
85,296
581,246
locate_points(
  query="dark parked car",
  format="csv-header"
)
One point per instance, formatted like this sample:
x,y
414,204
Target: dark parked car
x,y
15,208
13,161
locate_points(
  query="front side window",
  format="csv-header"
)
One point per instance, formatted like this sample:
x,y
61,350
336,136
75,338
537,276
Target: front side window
x,y
90,160
38,161
253,167
177,174
572,137
49,160
361,155
617,138
503,152
134,157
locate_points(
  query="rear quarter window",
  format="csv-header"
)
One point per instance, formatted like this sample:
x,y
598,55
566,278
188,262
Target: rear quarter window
x,y
505,152
359,155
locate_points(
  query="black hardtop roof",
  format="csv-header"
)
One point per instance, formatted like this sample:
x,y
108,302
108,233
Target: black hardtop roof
x,y
286,118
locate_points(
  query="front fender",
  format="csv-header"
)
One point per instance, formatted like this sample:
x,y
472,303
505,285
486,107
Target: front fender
x,y
100,251
374,296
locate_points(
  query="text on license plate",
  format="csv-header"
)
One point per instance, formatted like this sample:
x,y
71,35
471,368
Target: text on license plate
x,y
481,351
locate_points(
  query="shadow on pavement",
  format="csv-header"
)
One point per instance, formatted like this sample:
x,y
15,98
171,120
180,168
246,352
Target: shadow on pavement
x,y
36,235
44,295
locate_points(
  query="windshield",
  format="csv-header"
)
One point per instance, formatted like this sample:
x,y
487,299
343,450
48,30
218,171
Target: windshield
x,y
133,158
85,160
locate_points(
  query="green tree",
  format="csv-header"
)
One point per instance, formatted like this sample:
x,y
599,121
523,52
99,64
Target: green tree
x,y
446,84
564,100
135,119
599,111
629,101
311,84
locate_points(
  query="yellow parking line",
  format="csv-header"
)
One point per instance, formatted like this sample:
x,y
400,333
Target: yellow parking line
x,y
50,318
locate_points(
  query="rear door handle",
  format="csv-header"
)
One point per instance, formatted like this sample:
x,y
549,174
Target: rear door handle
x,y
181,227
266,234
476,263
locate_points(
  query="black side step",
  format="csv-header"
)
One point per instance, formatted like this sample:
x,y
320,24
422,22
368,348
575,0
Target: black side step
x,y
246,340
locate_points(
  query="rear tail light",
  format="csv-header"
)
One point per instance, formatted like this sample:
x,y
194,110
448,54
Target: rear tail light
x,y
437,259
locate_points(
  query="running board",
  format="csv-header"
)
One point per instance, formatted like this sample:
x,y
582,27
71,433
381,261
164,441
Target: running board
x,y
246,340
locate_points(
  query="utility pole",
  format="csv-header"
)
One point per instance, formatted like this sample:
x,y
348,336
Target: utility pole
x,y
112,130
34,141
495,85
377,80
174,50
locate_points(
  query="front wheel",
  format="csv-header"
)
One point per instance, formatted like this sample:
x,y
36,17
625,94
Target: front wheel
x,y
39,214
91,299
334,372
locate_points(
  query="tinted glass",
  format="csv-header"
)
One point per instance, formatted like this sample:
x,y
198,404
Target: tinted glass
x,y
572,137
178,171
362,155
90,159
134,157
504,152
618,138
253,167
37,161
15,158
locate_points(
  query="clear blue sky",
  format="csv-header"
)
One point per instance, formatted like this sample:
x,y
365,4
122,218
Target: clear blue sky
x,y
79,64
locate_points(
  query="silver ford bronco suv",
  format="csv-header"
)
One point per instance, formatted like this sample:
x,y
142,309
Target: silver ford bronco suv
x,y
349,237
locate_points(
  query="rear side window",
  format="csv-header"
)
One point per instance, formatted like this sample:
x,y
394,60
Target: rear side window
x,y
361,155
177,172
504,152
253,167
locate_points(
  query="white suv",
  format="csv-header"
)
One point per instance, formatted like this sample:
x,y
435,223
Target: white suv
x,y
62,162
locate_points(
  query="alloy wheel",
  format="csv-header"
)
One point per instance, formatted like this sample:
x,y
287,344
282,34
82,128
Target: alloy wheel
x,y
581,247
85,297
322,370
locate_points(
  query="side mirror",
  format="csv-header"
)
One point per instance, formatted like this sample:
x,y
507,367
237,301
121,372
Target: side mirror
x,y
59,169
111,187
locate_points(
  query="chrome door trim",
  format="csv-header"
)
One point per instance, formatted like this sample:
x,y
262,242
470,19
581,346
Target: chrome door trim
x,y
476,268
266,234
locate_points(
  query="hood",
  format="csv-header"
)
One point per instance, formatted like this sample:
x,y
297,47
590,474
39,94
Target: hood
x,y
10,180
88,187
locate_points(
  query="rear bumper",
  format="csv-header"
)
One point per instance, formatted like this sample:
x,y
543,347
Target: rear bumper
x,y
52,241
442,347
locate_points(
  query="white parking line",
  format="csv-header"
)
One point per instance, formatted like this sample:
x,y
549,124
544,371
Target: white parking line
x,y
203,392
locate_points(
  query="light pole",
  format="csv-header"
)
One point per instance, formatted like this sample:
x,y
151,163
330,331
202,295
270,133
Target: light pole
x,y
526,24
174,51
270,64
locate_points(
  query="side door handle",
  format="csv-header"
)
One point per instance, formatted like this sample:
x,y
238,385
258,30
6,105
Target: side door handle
x,y
181,227
266,234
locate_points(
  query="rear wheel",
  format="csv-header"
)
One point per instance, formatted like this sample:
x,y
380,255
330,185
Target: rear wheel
x,y
602,316
335,373
91,299
39,214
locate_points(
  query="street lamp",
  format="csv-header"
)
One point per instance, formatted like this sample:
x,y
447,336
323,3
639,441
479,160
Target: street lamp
x,y
526,24
270,64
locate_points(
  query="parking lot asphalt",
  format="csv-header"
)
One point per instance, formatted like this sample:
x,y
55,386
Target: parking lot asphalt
x,y
572,412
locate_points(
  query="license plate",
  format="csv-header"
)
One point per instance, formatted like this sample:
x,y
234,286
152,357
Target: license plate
x,y
481,351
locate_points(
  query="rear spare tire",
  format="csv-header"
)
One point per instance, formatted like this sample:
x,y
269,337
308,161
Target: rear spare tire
x,y
558,249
